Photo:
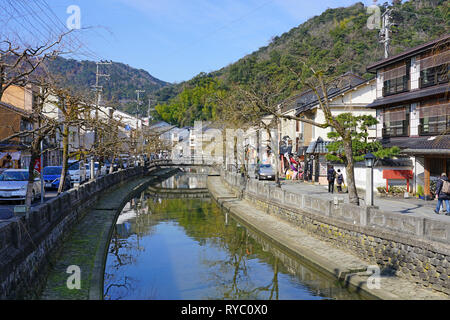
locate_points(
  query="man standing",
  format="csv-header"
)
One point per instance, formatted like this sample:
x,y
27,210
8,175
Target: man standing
x,y
331,175
443,193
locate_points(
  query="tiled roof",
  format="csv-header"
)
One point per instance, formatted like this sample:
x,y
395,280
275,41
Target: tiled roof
x,y
318,146
346,82
408,53
440,142
410,96
14,109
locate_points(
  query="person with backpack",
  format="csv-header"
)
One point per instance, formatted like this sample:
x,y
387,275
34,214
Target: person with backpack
x,y
443,193
331,176
339,180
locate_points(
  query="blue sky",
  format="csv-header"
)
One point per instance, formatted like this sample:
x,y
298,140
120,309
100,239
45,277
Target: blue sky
x,y
176,39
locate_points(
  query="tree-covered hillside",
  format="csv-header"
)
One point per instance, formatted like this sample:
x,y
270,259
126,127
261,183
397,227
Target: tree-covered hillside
x,y
337,35
121,86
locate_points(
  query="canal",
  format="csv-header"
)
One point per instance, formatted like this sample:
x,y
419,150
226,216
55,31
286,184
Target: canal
x,y
187,248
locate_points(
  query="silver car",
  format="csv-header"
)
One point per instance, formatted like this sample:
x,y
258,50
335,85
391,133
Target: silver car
x,y
13,185
266,172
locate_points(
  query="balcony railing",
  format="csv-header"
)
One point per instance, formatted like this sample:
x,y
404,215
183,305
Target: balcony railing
x,y
400,85
398,132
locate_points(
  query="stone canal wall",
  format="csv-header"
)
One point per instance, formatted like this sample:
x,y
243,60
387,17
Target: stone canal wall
x,y
27,241
414,248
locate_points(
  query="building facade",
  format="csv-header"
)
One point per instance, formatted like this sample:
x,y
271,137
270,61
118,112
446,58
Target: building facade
x,y
349,93
413,110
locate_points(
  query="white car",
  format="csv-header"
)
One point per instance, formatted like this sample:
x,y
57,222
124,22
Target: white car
x,y
96,166
77,171
13,185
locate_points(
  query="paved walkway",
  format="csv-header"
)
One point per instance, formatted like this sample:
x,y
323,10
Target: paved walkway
x,y
411,206
342,264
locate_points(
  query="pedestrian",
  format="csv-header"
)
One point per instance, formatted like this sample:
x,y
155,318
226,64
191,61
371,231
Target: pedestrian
x,y
339,180
7,163
331,176
443,193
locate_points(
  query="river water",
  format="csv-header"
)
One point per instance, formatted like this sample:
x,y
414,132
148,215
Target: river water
x,y
183,249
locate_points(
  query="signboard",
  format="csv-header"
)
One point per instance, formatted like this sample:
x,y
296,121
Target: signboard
x,y
397,174
37,165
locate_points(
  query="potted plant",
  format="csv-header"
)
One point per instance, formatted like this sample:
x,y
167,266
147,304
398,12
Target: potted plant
x,y
420,192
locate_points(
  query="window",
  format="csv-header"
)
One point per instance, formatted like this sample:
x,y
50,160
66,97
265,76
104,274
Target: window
x,y
434,117
396,121
434,67
396,85
434,75
396,79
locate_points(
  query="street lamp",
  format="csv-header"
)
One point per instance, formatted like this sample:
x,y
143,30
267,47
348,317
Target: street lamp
x,y
369,159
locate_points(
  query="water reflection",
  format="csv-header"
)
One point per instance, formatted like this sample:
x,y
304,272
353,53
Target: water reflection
x,y
190,249
185,180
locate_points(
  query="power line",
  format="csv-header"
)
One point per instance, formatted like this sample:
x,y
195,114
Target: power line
x,y
223,27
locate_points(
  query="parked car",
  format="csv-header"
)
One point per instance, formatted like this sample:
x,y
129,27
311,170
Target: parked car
x,y
96,166
266,172
13,185
108,166
52,176
77,171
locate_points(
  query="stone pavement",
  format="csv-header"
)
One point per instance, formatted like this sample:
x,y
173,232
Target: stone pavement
x,y
410,206
343,264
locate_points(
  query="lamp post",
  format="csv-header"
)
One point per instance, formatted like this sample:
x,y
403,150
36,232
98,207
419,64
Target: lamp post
x,y
369,159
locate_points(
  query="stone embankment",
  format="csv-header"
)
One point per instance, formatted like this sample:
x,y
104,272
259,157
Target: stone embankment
x,y
412,254
28,241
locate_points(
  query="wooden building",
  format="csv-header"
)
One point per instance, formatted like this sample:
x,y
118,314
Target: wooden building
x,y
413,109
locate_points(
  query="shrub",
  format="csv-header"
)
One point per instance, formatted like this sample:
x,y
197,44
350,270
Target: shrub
x,y
420,190
381,190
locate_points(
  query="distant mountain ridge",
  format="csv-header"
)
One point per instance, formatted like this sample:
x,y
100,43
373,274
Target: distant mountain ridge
x,y
122,83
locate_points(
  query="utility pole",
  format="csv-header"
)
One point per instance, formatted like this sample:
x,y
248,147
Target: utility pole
x,y
149,110
385,31
98,89
137,113
138,104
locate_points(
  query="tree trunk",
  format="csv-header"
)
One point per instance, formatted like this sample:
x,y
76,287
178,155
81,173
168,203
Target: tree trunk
x,y
275,153
92,169
34,156
65,141
236,164
350,169
111,168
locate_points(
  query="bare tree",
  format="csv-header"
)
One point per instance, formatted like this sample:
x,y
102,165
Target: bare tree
x,y
42,128
17,64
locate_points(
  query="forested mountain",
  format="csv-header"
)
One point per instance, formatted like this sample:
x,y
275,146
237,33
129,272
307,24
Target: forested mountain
x,y
339,33
121,86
